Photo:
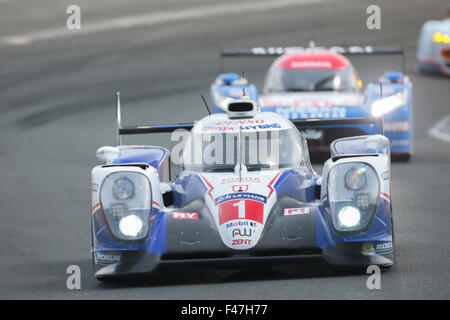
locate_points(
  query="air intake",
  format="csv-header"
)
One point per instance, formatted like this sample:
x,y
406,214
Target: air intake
x,y
242,108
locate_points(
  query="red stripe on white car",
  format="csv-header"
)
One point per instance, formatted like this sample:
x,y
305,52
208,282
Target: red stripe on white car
x,y
386,196
270,185
157,204
211,188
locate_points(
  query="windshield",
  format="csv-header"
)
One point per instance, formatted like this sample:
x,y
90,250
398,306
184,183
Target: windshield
x,y
308,80
262,150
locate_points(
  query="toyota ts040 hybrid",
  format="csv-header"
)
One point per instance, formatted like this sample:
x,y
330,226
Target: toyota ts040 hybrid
x,y
246,195
320,82
433,47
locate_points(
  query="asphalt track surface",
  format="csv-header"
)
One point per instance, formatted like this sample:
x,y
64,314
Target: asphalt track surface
x,y
57,108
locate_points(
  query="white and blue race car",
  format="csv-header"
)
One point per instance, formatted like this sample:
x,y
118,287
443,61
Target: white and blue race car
x,y
318,82
246,196
433,47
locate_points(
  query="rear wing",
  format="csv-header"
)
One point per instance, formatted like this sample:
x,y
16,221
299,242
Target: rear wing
x,y
129,130
316,123
376,122
277,51
299,123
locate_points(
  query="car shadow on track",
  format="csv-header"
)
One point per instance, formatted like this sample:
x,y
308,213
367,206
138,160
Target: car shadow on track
x,y
192,276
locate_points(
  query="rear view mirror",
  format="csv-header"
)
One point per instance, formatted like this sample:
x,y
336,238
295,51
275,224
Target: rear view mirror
x,y
107,154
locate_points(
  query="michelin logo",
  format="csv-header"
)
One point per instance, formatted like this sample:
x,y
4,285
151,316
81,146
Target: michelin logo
x,y
373,248
108,257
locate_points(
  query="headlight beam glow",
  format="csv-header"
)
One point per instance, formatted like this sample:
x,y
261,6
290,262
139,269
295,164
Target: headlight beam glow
x,y
349,216
130,225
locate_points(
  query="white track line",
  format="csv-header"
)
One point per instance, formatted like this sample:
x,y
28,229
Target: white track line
x,y
441,129
150,19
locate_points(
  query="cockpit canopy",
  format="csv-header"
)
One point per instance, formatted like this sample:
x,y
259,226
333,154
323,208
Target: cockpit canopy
x,y
258,150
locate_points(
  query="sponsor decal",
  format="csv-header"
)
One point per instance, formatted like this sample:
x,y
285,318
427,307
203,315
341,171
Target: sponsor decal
x,y
94,187
240,241
241,209
310,64
219,129
242,195
383,247
396,126
241,122
242,232
296,211
368,249
108,257
240,188
262,126
240,224
184,215
312,109
243,179
385,175
378,247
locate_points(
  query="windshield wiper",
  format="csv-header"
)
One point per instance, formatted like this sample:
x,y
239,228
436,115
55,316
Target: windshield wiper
x,y
220,168
255,167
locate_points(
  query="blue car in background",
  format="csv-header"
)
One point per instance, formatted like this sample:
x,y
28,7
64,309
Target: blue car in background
x,y
321,83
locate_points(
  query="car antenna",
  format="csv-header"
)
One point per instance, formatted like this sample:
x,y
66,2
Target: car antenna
x,y
240,153
206,105
243,87
381,118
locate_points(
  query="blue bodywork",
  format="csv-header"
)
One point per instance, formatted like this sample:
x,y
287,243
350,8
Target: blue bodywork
x,y
398,125
299,183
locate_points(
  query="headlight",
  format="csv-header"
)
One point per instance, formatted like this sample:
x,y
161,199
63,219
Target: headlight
x,y
123,188
349,217
355,177
353,193
126,202
388,104
439,37
131,225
